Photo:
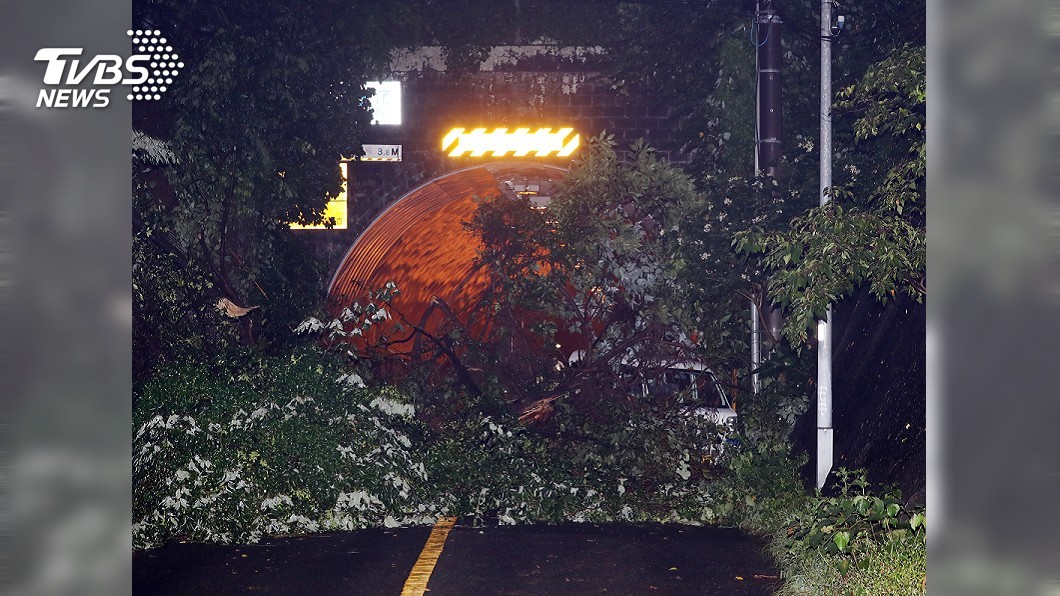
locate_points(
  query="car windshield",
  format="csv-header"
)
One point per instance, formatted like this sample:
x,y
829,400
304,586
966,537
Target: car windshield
x,y
699,384
709,391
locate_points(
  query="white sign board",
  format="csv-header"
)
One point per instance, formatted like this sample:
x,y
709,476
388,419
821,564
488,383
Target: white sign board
x,y
381,152
386,102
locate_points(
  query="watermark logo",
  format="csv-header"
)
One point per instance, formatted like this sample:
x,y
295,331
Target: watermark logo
x,y
148,72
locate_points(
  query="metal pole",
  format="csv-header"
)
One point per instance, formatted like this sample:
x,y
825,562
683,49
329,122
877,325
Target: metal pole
x,y
756,347
825,434
769,130
756,337
770,111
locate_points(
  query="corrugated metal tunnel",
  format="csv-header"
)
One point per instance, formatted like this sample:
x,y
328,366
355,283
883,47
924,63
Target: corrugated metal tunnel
x,y
420,244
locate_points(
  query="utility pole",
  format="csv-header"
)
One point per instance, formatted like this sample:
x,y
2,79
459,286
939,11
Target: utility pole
x,y
770,122
769,130
825,433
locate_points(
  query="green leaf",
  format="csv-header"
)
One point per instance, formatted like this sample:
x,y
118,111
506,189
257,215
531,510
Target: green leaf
x,y
841,539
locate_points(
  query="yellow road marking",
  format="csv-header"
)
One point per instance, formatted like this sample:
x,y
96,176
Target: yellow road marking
x,y
416,584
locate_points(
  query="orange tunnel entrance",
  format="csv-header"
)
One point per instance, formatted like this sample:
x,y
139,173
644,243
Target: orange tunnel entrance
x,y
420,244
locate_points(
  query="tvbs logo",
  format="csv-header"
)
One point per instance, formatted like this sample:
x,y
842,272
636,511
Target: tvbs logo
x,y
147,73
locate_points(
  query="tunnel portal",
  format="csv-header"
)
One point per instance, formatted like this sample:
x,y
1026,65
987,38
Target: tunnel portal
x,y
420,244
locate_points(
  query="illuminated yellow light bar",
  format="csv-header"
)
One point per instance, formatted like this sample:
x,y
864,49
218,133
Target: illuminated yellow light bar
x,y
519,142
335,210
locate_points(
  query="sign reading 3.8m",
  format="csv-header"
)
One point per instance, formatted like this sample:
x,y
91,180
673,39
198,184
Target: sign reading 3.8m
x,y
381,152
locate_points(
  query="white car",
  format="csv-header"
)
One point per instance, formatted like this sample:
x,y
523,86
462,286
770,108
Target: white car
x,y
707,396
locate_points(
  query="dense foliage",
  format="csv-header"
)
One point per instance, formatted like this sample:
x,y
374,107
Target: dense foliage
x,y
856,542
256,122
596,273
701,61
241,434
873,230
296,444
277,446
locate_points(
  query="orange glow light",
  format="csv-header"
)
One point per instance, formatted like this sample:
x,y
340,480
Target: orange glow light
x,y
519,142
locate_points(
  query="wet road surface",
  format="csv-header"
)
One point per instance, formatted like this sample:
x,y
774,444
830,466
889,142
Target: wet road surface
x,y
569,559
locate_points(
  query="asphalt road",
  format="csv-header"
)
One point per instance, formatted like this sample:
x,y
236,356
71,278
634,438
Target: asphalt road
x,y
570,559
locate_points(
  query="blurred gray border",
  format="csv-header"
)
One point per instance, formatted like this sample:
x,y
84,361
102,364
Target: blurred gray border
x,y
994,378
67,310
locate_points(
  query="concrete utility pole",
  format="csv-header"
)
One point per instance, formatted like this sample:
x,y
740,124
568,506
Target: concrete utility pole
x,y
825,436
769,130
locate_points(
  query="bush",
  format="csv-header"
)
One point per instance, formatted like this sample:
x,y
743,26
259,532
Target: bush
x,y
854,543
640,461
844,523
285,445
486,468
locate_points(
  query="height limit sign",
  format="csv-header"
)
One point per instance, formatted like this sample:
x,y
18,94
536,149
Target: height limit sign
x,y
381,152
